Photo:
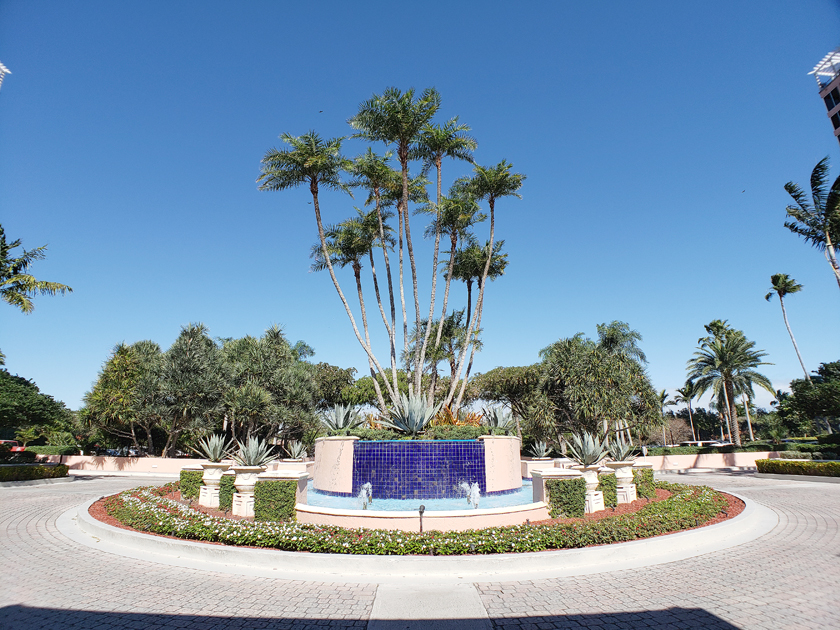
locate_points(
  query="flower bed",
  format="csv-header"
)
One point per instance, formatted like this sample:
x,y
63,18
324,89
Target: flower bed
x,y
148,510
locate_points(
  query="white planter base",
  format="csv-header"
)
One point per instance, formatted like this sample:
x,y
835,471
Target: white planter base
x,y
208,496
243,504
626,493
594,502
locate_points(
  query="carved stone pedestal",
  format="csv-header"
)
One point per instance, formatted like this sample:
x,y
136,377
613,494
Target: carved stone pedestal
x,y
594,501
208,496
243,504
626,493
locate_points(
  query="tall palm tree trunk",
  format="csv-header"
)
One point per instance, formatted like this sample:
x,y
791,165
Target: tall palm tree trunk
x,y
313,188
790,332
469,365
747,412
453,238
357,272
691,421
393,336
422,358
734,429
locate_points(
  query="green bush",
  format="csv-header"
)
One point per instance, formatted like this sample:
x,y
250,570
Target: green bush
x,y
795,455
53,450
274,500
226,490
147,509
466,432
834,438
750,447
25,473
190,483
18,457
566,497
645,485
607,484
788,467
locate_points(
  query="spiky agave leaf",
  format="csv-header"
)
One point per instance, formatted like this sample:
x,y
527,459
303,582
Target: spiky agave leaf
x,y
214,447
295,450
498,418
254,452
341,418
621,452
539,449
412,415
586,449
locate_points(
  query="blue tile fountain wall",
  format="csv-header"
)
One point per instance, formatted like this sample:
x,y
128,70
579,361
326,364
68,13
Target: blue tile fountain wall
x,y
418,469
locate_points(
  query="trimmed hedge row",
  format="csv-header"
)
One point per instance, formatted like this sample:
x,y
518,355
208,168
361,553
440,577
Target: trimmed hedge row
x,y
191,483
645,485
226,490
274,500
17,457
147,509
608,484
53,450
754,447
27,473
788,467
566,497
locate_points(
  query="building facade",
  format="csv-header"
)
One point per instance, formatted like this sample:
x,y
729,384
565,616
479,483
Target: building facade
x,y
827,73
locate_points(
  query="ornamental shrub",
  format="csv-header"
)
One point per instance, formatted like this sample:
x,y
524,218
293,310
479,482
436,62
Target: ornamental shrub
x,y
274,500
53,450
607,484
834,438
445,432
645,485
788,467
226,490
190,483
566,497
18,457
28,472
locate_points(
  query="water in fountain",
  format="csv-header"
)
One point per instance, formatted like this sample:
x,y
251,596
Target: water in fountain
x,y
365,495
472,492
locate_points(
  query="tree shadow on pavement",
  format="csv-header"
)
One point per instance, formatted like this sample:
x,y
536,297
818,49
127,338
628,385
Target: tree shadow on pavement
x,y
18,617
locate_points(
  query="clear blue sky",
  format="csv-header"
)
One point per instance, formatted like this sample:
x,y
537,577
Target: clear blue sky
x,y
656,137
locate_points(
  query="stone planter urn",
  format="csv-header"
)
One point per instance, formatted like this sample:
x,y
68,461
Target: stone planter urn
x,y
213,473
590,476
623,471
246,478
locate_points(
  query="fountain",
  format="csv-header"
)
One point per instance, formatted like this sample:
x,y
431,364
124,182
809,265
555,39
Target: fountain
x,y
472,492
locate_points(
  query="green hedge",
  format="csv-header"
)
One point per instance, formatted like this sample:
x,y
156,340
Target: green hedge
x,y
645,485
147,509
752,447
226,490
274,500
432,433
190,483
26,473
53,450
18,457
608,484
788,467
834,438
566,497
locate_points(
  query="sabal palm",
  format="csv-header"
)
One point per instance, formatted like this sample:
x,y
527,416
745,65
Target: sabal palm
x,y
783,285
437,142
17,286
725,365
489,183
317,162
398,118
817,220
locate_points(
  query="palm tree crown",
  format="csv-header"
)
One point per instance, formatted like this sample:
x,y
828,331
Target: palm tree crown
x,y
783,285
17,287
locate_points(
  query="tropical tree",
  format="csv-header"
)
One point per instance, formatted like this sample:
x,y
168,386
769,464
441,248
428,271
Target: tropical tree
x,y
783,285
618,338
17,285
725,362
685,395
817,220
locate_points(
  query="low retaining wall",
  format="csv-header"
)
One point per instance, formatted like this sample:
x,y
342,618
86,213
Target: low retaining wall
x,y
739,461
456,520
145,465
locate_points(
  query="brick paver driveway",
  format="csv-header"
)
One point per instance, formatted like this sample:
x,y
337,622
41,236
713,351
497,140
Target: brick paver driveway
x,y
789,578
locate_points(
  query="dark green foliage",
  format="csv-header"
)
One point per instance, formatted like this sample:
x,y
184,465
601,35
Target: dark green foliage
x,y
566,497
226,490
25,473
22,404
190,483
53,450
687,507
608,485
812,403
274,500
788,467
752,447
834,438
645,485
460,432
329,382
17,457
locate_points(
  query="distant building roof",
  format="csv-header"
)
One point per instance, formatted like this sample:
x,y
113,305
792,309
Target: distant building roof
x,y
829,66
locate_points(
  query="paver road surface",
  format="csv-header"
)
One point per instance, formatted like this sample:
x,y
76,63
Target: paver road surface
x,y
789,578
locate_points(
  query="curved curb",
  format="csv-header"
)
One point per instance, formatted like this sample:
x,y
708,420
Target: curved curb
x,y
755,521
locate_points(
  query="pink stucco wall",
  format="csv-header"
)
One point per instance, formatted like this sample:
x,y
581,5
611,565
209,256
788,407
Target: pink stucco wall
x,y
334,464
502,465
147,465
460,520
711,460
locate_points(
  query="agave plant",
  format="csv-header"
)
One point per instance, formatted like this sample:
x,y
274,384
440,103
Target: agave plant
x,y
498,418
621,452
539,449
214,447
295,450
254,452
586,450
341,418
411,415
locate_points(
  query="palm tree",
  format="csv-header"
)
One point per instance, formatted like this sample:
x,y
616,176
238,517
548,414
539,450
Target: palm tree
x,y
318,163
490,183
469,262
398,118
618,337
726,364
782,285
664,402
437,142
817,221
17,286
686,394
